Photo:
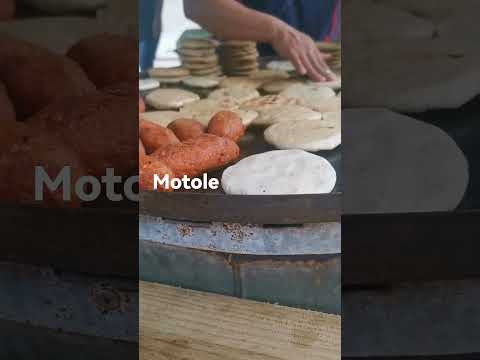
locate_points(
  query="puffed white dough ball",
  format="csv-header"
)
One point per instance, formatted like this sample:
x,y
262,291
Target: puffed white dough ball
x,y
280,172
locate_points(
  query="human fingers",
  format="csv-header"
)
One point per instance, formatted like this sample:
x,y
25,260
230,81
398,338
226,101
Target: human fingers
x,y
312,71
325,56
298,63
317,62
320,65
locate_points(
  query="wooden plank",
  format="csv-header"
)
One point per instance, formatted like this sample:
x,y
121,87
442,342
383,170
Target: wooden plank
x,y
179,324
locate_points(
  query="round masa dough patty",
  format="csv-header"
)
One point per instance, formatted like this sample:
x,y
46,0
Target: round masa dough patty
x,y
309,95
203,110
284,113
280,172
168,99
309,135
239,94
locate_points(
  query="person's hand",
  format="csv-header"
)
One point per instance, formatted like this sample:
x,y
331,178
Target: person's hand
x,y
301,50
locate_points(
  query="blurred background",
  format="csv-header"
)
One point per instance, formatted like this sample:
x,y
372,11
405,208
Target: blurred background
x,y
174,24
39,21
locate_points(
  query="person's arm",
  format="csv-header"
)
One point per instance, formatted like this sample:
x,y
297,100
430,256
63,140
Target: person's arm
x,y
230,20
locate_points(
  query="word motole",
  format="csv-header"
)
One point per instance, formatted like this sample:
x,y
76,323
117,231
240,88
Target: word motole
x,y
186,182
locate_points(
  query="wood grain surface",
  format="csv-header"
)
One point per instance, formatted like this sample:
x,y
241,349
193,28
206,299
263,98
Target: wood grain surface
x,y
179,324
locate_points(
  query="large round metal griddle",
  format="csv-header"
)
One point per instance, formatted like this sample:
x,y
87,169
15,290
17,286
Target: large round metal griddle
x,y
257,209
253,247
216,206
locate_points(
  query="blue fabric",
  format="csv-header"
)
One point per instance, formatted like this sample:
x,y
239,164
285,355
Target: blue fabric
x,y
148,40
147,51
313,17
146,13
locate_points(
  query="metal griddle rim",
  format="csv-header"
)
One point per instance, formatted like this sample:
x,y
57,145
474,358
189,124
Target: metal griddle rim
x,y
243,209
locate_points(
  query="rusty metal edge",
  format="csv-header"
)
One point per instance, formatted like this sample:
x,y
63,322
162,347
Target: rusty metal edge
x,y
234,238
305,281
236,259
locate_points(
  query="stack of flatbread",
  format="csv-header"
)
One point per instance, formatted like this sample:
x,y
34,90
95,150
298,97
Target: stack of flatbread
x,y
173,75
199,56
335,52
238,58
